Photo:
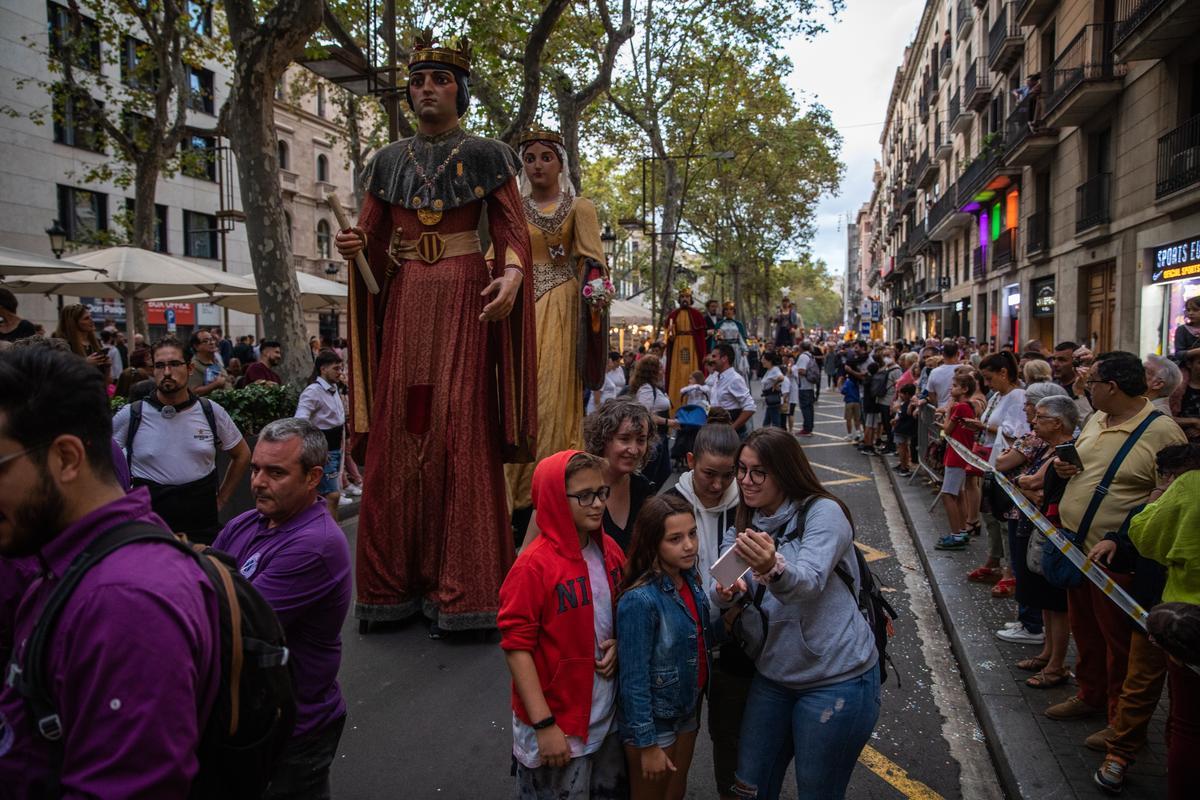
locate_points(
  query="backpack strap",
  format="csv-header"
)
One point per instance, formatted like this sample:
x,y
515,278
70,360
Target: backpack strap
x,y
207,407
135,422
1102,489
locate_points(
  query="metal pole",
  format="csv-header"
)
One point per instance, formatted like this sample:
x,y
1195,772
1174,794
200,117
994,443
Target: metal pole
x,y
653,250
393,97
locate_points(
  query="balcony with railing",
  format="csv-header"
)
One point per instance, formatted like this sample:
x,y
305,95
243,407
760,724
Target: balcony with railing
x,y
925,170
923,105
944,219
943,144
946,58
984,167
1155,28
960,117
1031,13
906,196
1004,250
1092,200
1005,41
977,86
1037,236
979,263
1085,78
965,17
1178,159
1026,144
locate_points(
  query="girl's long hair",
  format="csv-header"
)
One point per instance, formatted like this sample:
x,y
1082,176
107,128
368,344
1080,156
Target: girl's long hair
x,y
648,530
783,457
645,371
81,343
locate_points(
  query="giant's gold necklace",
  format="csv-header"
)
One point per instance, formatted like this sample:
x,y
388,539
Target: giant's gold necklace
x,y
431,216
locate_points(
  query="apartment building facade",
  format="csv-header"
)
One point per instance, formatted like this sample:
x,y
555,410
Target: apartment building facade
x,y
1072,216
42,165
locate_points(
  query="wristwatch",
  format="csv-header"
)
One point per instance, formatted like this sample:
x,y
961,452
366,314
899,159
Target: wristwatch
x,y
543,724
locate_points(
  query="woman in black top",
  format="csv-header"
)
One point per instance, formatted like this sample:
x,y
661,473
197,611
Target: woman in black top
x,y
621,432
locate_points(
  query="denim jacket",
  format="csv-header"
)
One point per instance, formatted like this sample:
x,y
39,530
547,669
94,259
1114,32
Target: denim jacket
x,y
657,656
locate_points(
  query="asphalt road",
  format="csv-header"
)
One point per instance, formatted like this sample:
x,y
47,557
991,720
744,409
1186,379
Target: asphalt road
x,y
430,719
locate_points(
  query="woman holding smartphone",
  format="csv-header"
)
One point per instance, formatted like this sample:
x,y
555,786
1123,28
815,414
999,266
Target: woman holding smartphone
x,y
816,694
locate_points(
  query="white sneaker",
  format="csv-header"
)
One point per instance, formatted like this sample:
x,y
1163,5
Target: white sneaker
x,y
353,490
1012,626
1020,636
849,437
345,500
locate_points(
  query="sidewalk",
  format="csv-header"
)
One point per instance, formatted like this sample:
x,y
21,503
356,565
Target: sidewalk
x,y
1036,757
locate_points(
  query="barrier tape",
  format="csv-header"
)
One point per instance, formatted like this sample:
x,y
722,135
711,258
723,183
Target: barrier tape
x,y
1090,569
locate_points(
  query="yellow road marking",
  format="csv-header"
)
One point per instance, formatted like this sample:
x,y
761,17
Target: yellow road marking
x,y
895,775
870,553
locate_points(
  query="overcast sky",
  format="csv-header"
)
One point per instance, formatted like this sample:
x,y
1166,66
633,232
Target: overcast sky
x,y
849,70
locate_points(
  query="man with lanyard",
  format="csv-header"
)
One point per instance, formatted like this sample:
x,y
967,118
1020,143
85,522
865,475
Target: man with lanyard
x,y
731,392
171,440
321,405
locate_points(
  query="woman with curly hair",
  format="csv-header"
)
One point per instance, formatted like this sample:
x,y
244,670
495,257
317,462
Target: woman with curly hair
x,y
622,433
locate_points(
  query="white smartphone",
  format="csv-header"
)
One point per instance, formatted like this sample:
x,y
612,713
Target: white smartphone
x,y
729,568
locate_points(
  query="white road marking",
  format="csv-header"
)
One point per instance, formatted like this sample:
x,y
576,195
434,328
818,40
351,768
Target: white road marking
x,y
960,729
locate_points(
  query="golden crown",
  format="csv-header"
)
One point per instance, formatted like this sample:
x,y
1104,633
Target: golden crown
x,y
452,50
540,135
685,291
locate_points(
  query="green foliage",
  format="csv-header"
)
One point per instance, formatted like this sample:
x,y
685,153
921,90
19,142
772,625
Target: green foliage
x,y
116,403
253,406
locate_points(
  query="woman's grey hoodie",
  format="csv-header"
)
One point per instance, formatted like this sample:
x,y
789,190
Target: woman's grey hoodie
x,y
816,634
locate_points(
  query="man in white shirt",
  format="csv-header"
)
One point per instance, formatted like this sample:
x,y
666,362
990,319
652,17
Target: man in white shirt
x,y
807,395
941,377
614,382
321,404
731,392
171,440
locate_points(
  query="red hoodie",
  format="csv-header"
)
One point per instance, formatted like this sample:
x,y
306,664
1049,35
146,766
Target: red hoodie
x,y
546,607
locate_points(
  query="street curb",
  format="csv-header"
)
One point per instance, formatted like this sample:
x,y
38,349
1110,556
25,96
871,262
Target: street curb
x,y
1022,774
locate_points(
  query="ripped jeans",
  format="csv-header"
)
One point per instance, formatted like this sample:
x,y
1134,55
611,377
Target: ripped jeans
x,y
824,729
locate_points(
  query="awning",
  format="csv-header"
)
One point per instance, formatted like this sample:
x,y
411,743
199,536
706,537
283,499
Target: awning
x,y
928,307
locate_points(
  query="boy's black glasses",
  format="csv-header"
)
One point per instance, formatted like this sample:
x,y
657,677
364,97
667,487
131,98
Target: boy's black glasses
x,y
586,499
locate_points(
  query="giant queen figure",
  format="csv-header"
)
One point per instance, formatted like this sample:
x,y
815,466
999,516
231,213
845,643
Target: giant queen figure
x,y
443,372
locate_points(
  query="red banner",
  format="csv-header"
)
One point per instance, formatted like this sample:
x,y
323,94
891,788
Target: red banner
x,y
185,313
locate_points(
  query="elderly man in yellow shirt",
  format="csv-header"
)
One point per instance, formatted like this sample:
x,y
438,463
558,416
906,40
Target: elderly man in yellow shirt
x,y
1115,385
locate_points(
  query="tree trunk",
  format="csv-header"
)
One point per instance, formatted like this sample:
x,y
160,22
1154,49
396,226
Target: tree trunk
x,y
668,234
253,139
145,183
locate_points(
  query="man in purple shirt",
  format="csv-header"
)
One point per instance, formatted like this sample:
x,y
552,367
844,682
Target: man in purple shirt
x,y
133,660
297,557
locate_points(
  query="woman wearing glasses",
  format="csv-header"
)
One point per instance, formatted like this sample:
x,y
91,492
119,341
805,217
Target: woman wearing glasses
x,y
816,694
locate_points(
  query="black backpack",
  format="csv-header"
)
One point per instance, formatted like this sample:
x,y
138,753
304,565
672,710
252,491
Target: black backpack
x,y
879,382
255,707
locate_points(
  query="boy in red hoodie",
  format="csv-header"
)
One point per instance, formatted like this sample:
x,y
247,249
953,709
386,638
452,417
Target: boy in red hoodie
x,y
556,624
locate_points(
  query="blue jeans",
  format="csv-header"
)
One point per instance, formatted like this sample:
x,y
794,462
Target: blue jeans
x,y
771,417
824,729
807,399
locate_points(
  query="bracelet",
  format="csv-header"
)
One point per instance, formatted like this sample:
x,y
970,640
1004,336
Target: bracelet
x,y
507,267
543,724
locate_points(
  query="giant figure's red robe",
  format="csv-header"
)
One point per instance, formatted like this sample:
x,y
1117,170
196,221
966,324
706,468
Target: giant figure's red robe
x,y
443,398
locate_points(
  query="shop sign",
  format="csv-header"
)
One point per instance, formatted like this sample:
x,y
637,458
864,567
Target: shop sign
x,y
105,308
1043,298
156,312
876,311
1175,261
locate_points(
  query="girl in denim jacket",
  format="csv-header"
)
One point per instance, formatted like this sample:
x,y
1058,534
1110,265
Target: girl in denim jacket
x,y
663,636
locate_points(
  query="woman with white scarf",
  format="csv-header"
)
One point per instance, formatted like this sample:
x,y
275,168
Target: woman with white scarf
x,y
710,488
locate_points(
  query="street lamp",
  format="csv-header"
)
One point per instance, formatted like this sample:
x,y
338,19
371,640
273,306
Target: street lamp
x,y
610,242
331,268
58,239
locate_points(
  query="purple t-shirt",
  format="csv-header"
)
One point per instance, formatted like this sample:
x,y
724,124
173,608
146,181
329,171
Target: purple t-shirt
x,y
121,466
133,666
302,568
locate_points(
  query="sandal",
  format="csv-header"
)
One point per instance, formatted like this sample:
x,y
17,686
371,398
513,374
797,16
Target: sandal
x,y
1034,664
952,541
984,574
974,529
1005,587
1046,680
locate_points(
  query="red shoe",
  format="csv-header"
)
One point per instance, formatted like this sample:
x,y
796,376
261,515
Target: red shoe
x,y
984,575
1005,587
